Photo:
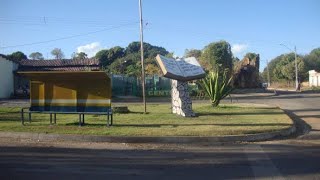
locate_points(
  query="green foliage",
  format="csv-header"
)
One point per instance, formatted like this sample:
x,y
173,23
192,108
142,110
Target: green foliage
x,y
17,56
251,55
81,56
57,53
312,60
36,56
192,53
217,53
283,68
108,56
128,61
217,86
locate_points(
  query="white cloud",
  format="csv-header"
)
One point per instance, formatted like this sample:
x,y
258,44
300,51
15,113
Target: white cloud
x,y
90,49
239,48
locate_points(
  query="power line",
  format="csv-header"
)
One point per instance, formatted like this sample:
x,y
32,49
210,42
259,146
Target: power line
x,y
45,20
69,37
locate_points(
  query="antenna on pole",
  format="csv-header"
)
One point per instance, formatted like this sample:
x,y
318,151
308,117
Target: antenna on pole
x,y
142,59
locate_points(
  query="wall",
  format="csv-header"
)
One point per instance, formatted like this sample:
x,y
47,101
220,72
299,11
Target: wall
x,y
6,77
314,78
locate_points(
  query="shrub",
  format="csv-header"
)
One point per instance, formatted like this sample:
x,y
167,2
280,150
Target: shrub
x,y
217,85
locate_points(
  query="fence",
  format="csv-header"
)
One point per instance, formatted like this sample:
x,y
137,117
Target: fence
x,y
131,86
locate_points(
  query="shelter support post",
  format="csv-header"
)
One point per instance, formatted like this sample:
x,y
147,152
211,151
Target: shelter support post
x,y
22,116
79,120
29,117
82,119
108,120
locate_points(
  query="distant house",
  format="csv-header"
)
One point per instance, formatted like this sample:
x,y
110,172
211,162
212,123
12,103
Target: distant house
x,y
7,68
314,78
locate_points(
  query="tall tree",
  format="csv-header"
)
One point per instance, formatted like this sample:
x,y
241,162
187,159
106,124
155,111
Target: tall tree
x,y
81,56
108,56
192,53
36,56
312,60
283,68
17,56
57,53
217,53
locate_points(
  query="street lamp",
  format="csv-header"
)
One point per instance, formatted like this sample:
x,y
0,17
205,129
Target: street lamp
x,y
295,63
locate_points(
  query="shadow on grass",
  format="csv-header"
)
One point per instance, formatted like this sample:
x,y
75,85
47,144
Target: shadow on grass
x,y
10,116
236,113
177,125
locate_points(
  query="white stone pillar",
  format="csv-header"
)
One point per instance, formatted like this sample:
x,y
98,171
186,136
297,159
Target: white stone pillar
x,y
181,101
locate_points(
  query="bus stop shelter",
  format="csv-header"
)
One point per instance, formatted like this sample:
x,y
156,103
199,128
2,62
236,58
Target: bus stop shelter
x,y
63,92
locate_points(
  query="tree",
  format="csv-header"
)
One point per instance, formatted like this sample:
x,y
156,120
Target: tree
x,y
17,56
152,69
57,53
217,53
192,53
283,68
312,60
36,56
148,49
127,61
108,56
81,56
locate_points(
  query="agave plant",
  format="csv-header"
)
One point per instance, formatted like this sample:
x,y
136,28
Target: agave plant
x,y
217,86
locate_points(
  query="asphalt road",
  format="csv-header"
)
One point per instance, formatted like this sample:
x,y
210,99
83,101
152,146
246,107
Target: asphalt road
x,y
294,158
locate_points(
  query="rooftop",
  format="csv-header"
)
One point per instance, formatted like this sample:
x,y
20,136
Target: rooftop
x,y
60,65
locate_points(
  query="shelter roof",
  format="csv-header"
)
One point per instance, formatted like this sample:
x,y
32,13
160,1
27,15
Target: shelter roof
x,y
65,75
60,65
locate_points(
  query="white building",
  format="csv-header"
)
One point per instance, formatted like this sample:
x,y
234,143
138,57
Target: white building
x,y
7,69
314,78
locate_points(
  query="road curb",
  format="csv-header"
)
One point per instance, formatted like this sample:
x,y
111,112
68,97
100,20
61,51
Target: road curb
x,y
23,136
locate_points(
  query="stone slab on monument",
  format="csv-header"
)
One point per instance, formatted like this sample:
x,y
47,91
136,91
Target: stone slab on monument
x,y
181,101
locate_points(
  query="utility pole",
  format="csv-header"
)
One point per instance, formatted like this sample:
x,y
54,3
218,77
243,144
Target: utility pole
x,y
296,66
268,74
142,59
295,63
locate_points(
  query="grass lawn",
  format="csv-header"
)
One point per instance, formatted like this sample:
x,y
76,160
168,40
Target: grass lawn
x,y
224,120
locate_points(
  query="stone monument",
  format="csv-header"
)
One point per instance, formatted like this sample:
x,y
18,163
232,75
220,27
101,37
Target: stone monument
x,y
181,71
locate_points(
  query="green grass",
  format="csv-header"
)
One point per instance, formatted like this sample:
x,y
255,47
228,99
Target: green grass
x,y
224,120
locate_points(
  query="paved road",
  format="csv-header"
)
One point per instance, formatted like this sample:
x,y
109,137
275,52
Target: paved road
x,y
302,107
296,158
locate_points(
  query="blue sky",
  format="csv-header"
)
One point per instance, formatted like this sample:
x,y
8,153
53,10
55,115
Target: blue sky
x,y
248,25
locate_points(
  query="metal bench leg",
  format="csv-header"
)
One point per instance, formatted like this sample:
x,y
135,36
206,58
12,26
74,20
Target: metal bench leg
x,y
82,119
55,118
79,120
29,117
22,116
111,119
50,118
108,120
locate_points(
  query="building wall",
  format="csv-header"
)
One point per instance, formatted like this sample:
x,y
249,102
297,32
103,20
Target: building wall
x,y
314,78
6,77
